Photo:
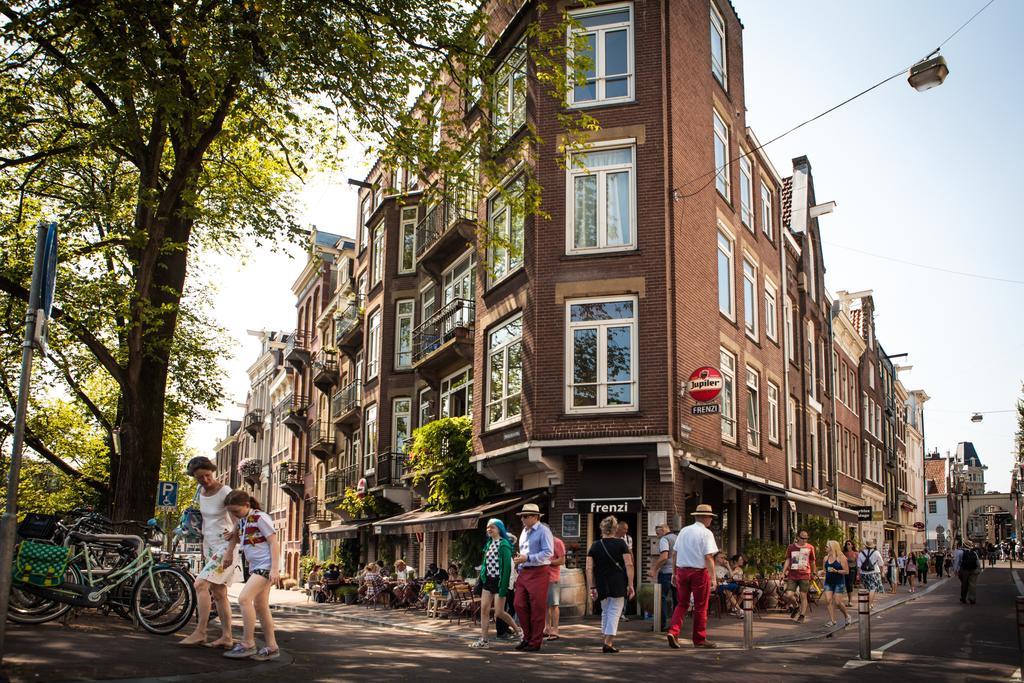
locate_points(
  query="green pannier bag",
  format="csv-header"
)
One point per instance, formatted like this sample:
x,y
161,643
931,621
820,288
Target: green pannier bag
x,y
41,564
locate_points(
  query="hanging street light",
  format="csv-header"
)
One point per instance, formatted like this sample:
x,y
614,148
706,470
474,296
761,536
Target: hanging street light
x,y
928,73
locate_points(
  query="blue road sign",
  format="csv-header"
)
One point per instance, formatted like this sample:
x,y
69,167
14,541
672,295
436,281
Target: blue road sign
x,y
49,281
167,494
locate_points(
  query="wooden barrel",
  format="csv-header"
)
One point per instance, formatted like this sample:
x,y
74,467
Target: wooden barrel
x,y
573,595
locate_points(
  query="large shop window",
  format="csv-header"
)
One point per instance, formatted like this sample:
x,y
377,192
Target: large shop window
x,y
610,485
605,38
728,370
457,394
601,358
601,211
505,225
505,373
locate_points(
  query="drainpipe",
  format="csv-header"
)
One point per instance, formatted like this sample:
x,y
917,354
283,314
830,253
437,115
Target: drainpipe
x,y
833,467
785,350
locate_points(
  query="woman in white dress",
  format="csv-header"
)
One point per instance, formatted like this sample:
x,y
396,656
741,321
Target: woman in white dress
x,y
218,528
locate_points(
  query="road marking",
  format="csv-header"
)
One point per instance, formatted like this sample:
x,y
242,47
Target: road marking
x,y
1020,584
1015,676
876,656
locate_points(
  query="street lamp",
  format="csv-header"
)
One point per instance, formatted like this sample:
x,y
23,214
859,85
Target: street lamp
x,y
928,73
977,417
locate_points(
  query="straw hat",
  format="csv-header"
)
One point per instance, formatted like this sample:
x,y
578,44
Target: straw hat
x,y
870,543
530,509
703,510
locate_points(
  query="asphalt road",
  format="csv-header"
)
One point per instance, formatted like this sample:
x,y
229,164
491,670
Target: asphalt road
x,y
933,638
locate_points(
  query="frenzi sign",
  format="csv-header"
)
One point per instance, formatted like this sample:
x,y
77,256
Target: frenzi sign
x,y
704,385
604,507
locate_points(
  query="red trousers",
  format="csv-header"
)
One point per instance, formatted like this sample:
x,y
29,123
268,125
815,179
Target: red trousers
x,y
532,602
697,582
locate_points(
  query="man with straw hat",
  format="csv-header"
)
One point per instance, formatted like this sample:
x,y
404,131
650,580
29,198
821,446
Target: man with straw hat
x,y
693,559
536,545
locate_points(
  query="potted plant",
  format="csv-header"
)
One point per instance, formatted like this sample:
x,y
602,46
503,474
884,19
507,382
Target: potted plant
x,y
645,598
251,469
348,594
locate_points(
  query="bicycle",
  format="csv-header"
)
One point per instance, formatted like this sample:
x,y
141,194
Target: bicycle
x,y
158,597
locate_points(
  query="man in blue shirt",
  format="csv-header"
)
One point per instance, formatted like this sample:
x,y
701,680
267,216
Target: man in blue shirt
x,y
536,545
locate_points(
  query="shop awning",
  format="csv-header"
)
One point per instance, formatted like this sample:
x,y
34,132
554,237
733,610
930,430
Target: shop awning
x,y
735,481
418,521
823,506
350,530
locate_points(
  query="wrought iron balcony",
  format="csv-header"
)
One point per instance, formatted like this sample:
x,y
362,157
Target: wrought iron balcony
x,y
391,467
253,422
321,440
348,327
345,406
289,478
446,335
296,414
296,350
334,487
446,228
325,370
315,511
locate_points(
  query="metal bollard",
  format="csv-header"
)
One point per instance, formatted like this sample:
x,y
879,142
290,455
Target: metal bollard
x,y
656,617
864,623
1020,627
748,619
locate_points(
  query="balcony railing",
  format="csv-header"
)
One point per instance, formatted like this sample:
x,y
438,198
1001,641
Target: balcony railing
x,y
321,439
349,476
334,487
296,350
289,473
391,467
324,369
348,320
456,315
315,511
461,206
346,399
253,422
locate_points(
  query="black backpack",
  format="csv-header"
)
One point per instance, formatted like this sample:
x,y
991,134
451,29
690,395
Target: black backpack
x,y
969,561
866,565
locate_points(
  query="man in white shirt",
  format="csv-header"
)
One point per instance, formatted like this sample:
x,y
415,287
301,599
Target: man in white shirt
x,y
693,559
663,570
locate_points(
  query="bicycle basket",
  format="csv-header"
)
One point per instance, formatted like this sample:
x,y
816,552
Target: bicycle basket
x,y
38,526
41,564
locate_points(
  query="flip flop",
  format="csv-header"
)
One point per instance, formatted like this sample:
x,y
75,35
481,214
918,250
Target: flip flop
x,y
551,638
214,643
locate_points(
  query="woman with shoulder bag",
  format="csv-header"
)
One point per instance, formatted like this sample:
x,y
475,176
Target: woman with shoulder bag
x,y
494,579
610,577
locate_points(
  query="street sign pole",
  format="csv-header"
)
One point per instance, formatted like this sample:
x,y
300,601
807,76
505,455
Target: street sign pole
x,y
9,521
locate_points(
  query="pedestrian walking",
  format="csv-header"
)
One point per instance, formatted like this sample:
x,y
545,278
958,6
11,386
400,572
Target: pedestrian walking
x,y
622,531
938,559
801,565
554,589
836,570
850,552
662,571
494,578
693,560
536,544
869,567
901,566
910,570
967,566
891,573
256,535
215,575
922,568
610,577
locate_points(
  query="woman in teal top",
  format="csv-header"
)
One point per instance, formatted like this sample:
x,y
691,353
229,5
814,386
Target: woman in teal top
x,y
495,575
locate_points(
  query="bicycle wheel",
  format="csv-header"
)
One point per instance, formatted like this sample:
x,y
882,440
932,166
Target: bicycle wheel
x,y
27,608
164,603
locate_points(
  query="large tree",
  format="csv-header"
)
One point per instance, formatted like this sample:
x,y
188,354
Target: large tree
x,y
154,129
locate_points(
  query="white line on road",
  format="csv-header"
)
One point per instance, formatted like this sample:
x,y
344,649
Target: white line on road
x,y
1015,676
1020,584
876,656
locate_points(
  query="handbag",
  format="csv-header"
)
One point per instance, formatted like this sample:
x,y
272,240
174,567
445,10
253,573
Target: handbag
x,y
190,528
41,564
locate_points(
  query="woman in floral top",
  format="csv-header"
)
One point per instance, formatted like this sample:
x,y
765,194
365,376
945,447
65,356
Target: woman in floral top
x,y
495,574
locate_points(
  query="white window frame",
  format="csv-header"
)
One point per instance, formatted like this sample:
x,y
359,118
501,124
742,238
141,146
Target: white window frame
x,y
791,429
753,410
773,412
599,56
747,193
812,433
720,133
727,366
423,407
812,271
407,228
835,372
811,352
601,172
407,318
428,300
503,350
509,113
365,209
396,413
766,212
373,345
371,432
788,329
721,73
444,393
724,234
750,303
437,123
503,218
377,271
771,310
602,351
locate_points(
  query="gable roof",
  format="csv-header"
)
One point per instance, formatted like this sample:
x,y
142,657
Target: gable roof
x,y
966,453
935,476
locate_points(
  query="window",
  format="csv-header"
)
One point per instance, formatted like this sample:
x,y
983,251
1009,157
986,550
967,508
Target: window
x,y
601,204
750,298
753,410
864,408
791,429
373,346
871,374
747,193
844,388
933,507
812,364
853,391
812,435
401,424
835,373
378,255
725,266
405,314
357,451
370,452
365,209
505,372
721,156
600,357
426,412
437,122
457,394
505,225
361,288
728,369
854,459
428,302
812,271
717,45
771,311
407,235
773,413
843,449
787,315
605,38
766,212
509,109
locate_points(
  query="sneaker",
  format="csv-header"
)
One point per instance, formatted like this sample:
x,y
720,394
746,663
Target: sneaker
x,y
265,654
793,611
673,640
830,624
706,644
480,642
240,651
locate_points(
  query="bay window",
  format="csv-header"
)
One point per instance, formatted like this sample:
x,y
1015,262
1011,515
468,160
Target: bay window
x,y
601,208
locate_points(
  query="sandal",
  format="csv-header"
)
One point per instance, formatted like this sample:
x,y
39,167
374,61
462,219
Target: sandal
x,y
240,651
550,638
265,654
479,643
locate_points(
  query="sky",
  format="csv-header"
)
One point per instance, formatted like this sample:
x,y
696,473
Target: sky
x,y
917,177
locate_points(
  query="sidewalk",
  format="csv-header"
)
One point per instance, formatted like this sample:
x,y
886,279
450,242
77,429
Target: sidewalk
x,y
773,628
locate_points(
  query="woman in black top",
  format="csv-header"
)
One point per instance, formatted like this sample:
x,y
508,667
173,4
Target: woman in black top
x,y
610,577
